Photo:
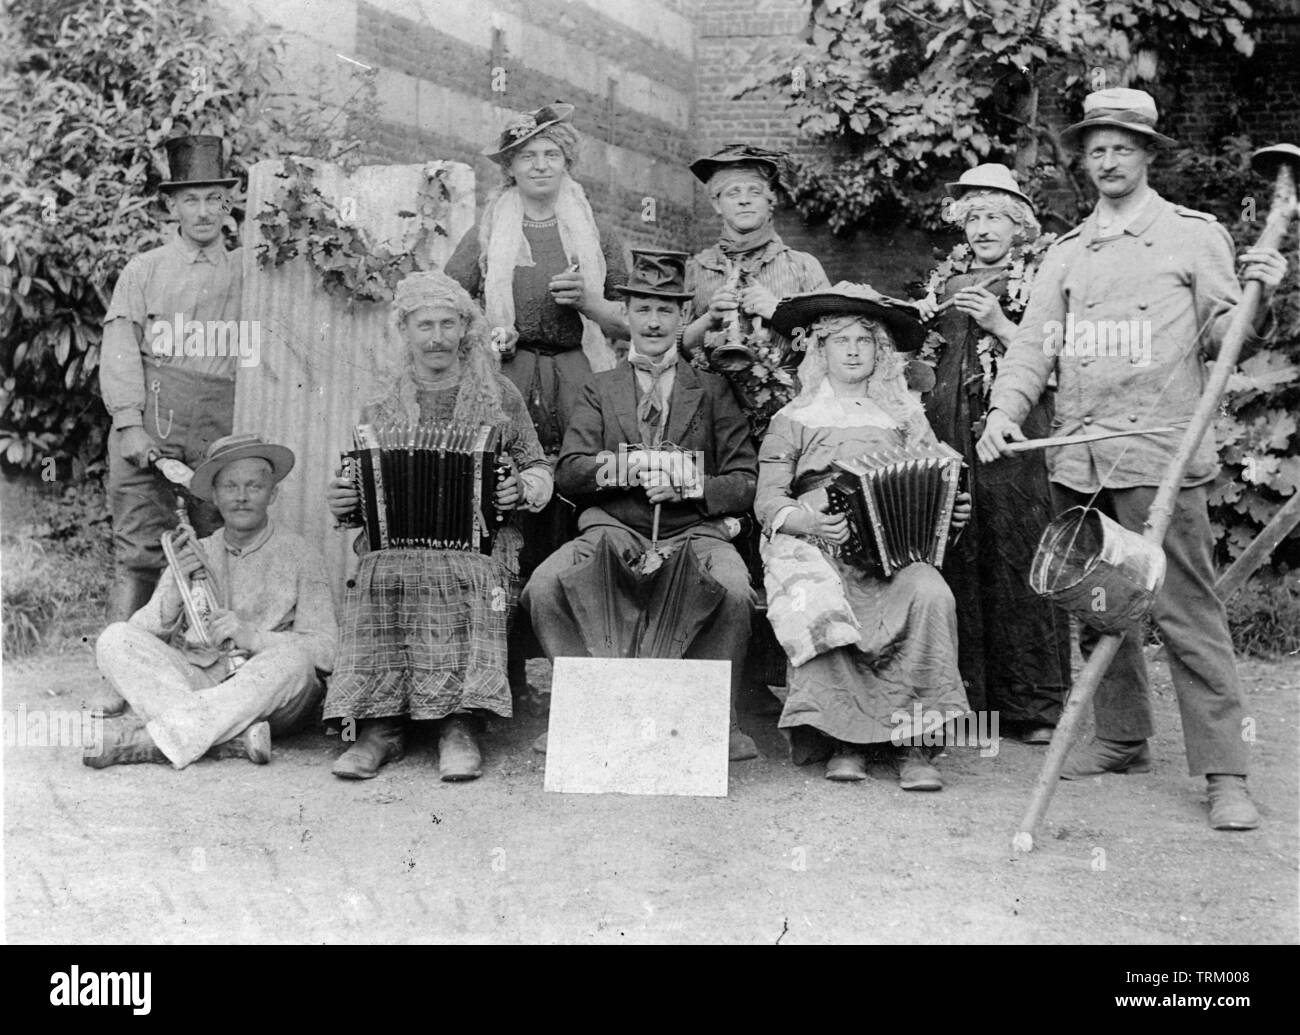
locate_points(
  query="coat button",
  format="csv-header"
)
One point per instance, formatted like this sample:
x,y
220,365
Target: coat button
x,y
1142,305
1132,418
1092,305
1148,243
1087,420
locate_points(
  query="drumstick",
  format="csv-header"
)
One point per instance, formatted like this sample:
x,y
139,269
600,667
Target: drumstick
x,y
970,287
1074,440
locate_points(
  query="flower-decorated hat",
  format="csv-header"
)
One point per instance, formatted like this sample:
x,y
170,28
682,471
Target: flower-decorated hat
x,y
524,127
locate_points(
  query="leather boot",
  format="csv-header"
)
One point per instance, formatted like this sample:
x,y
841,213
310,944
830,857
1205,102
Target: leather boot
x,y
125,742
254,744
1230,804
915,773
740,745
459,757
1100,756
379,741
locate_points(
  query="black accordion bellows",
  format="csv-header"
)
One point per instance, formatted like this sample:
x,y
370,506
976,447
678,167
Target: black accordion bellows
x,y
899,504
430,485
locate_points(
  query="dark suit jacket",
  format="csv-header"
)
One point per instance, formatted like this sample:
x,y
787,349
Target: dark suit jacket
x,y
703,415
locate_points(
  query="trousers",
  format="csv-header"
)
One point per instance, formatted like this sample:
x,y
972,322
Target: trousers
x,y
184,412
188,709
1193,625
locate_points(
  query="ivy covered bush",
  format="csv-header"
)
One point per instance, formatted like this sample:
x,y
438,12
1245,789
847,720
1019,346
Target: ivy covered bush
x,y
89,90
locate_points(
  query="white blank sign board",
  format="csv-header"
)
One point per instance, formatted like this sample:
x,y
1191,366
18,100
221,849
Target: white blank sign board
x,y
639,726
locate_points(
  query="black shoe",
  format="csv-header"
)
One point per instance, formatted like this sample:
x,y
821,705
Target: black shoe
x,y
379,741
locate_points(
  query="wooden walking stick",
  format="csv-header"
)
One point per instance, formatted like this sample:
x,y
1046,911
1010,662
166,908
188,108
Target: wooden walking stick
x,y
1281,161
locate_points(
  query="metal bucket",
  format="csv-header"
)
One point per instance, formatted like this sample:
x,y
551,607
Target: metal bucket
x,y
1096,569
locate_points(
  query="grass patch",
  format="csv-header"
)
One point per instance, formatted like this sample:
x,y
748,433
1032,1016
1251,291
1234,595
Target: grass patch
x,y
1264,615
56,563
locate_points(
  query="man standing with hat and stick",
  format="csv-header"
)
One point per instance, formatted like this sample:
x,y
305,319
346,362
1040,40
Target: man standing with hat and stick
x,y
655,398
1143,264
164,399
274,609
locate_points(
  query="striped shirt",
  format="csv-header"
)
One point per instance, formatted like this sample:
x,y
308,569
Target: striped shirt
x,y
779,268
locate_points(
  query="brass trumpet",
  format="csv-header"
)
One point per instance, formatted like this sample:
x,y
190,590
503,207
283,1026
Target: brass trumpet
x,y
200,597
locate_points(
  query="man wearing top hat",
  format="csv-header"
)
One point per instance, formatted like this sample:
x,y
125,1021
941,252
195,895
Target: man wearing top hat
x,y
271,631
1126,308
653,399
164,401
742,181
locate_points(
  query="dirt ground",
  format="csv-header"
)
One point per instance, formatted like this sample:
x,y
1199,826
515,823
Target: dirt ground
x,y
228,851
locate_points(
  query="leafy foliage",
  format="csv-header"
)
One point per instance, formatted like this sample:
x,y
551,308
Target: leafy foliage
x,y
88,93
909,95
1257,428
905,96
301,220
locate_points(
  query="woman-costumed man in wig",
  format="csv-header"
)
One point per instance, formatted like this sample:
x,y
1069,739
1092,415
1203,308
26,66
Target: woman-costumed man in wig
x,y
423,634
864,651
1015,651
545,274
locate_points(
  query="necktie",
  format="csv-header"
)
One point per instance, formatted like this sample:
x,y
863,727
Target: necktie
x,y
650,410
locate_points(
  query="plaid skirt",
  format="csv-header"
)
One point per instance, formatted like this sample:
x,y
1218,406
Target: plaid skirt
x,y
423,635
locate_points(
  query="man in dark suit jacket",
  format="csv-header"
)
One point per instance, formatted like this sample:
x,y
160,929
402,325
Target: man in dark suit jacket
x,y
650,400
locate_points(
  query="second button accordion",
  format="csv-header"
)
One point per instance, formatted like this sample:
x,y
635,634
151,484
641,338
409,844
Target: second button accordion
x,y
430,485
899,504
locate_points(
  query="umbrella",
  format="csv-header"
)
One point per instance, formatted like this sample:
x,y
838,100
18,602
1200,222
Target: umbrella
x,y
602,592
624,613
683,597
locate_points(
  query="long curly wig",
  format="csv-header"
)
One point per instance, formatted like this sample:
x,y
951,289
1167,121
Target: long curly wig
x,y
887,386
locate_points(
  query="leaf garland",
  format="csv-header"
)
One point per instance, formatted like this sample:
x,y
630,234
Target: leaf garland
x,y
1024,260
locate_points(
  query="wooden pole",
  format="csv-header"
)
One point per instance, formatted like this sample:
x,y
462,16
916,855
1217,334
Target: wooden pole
x,y
1162,507
1259,551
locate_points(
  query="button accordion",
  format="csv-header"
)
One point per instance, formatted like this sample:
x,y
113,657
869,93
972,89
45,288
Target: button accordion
x,y
899,504
430,485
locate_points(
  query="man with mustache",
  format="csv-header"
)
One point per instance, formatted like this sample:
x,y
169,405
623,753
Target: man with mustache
x,y
653,398
165,400
1139,258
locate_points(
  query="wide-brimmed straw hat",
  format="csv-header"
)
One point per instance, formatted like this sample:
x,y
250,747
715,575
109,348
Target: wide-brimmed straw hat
x,y
227,450
846,299
989,176
1118,108
524,127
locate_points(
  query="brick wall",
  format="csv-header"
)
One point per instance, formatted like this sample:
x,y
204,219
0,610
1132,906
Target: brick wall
x,y
654,82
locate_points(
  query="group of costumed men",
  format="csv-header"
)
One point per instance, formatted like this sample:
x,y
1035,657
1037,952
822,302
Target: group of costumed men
x,y
744,358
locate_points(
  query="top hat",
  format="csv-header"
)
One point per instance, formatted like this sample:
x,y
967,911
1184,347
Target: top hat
x,y
230,448
195,162
525,127
658,273
1119,108
989,176
769,163
846,299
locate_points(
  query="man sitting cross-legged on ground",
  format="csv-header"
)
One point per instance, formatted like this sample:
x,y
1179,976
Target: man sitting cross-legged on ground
x,y
274,609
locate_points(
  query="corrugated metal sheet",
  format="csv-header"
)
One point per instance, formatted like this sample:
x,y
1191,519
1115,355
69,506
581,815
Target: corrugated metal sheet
x,y
318,355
